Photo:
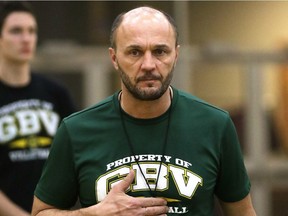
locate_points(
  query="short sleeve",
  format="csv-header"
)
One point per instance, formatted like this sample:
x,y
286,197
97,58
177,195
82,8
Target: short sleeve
x,y
58,183
233,183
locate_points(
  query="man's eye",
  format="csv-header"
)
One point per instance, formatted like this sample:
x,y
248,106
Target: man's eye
x,y
135,52
33,31
15,30
159,52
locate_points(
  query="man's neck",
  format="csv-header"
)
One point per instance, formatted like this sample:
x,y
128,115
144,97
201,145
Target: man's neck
x,y
15,74
145,109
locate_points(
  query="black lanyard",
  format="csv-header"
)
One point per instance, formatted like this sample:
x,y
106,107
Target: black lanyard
x,y
153,193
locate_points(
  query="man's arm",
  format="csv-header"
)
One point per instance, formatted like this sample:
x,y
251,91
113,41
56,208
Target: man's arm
x,y
9,208
243,207
115,203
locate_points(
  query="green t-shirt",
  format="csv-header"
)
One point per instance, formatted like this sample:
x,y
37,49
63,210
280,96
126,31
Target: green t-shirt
x,y
202,157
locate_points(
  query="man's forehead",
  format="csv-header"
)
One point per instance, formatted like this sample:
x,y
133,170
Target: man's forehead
x,y
18,17
143,13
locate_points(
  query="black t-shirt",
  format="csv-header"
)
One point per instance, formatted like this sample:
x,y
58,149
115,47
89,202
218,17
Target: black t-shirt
x,y
29,118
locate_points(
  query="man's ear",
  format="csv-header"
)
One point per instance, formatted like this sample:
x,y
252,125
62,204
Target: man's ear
x,y
113,58
177,54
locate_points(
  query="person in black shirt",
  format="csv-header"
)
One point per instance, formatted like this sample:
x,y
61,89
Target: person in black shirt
x,y
31,108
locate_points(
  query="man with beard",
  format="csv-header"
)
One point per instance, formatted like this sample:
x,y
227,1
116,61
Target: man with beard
x,y
149,149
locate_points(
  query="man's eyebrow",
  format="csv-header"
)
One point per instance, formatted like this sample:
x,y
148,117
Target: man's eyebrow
x,y
134,46
162,46
16,26
157,46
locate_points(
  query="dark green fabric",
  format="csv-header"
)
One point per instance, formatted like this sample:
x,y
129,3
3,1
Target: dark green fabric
x,y
90,153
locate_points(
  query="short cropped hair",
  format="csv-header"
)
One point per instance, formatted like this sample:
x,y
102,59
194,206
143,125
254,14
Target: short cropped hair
x,y
118,20
8,7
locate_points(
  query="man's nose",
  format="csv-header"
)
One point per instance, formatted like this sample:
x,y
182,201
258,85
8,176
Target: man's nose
x,y
148,62
27,36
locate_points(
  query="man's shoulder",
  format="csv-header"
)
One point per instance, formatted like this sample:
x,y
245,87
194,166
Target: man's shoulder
x,y
199,103
99,109
44,80
49,85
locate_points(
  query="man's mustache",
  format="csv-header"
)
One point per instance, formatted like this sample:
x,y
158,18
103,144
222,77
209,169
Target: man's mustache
x,y
148,77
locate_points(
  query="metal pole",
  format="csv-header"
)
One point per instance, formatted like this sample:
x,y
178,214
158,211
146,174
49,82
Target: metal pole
x,y
257,139
183,71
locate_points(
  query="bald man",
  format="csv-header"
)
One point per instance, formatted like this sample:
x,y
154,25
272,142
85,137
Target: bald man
x,y
149,149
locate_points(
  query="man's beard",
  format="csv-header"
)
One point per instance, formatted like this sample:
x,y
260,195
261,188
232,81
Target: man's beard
x,y
146,94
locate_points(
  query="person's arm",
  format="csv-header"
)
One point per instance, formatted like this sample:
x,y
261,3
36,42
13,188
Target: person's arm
x,y
115,203
243,207
9,208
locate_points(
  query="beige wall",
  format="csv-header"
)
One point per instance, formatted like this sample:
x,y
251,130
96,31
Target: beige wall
x,y
250,26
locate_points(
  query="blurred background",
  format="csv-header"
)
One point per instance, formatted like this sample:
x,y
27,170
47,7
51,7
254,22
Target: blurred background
x,y
233,55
